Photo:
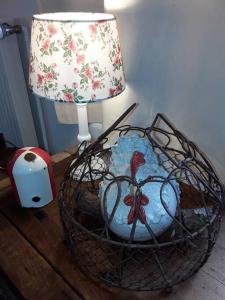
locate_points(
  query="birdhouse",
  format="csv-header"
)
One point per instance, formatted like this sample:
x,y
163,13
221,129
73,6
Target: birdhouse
x,y
31,175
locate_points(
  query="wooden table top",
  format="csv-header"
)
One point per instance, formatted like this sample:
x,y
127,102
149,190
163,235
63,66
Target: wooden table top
x,y
34,258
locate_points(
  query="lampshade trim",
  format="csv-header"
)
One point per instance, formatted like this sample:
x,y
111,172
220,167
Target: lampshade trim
x,y
79,102
39,18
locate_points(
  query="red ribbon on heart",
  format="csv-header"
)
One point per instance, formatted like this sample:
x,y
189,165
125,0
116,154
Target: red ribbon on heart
x,y
137,160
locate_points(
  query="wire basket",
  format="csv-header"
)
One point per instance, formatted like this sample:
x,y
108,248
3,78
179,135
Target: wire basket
x,y
166,258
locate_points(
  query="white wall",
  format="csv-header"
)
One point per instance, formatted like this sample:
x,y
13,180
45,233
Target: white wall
x,y
70,5
175,63
18,9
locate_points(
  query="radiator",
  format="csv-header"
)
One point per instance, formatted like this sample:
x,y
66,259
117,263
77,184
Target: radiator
x,y
16,121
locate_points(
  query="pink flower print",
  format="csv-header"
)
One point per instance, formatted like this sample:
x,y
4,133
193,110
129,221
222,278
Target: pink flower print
x,y
118,89
54,65
72,45
111,92
51,29
68,97
93,97
80,58
76,70
75,85
31,68
89,73
59,43
40,78
117,59
49,76
95,84
46,44
93,29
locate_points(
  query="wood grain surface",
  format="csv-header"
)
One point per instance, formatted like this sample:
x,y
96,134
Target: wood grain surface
x,y
33,255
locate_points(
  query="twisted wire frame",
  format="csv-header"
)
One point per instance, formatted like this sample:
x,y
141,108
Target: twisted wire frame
x,y
162,261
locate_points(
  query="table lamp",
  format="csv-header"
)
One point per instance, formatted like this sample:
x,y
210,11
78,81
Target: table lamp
x,y
76,58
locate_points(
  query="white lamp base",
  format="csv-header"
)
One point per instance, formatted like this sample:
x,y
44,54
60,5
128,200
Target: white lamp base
x,y
84,134
97,163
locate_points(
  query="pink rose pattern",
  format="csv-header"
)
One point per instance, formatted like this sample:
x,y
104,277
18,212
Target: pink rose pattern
x,y
89,78
47,78
51,29
69,94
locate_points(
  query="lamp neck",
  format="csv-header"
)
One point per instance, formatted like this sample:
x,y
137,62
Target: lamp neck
x,y
84,134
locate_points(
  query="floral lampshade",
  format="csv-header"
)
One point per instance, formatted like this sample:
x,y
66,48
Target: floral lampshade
x,y
75,57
